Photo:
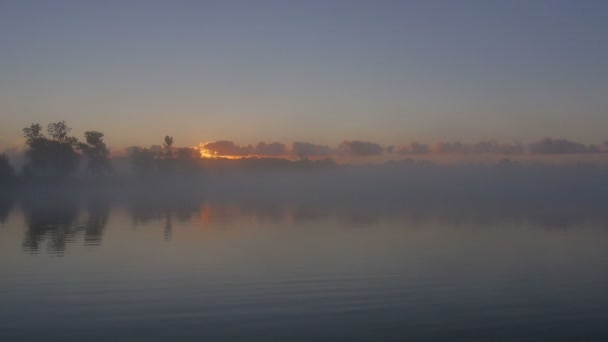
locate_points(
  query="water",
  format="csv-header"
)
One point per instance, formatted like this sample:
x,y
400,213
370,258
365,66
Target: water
x,y
95,270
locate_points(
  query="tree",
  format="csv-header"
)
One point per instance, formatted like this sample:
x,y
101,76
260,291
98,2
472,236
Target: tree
x,y
59,131
52,158
143,161
7,172
188,153
32,133
168,145
97,153
187,160
166,163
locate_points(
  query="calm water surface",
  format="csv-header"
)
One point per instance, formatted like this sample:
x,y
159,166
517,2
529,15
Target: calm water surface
x,y
100,271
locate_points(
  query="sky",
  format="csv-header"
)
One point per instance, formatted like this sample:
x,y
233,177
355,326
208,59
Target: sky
x,y
389,72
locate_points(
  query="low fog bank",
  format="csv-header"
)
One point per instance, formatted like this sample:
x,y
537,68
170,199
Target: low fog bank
x,y
408,182
549,197
552,197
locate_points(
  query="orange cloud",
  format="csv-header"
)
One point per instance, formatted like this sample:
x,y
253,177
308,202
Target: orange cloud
x,y
228,148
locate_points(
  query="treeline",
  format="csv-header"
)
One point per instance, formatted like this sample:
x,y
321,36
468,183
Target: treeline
x,y
7,172
57,156
54,155
170,160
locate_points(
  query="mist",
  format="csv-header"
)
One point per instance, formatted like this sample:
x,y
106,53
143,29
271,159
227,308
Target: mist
x,y
410,183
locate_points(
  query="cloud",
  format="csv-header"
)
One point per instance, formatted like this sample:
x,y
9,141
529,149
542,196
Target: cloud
x,y
413,148
560,146
272,149
482,147
228,148
360,148
455,147
308,149
492,147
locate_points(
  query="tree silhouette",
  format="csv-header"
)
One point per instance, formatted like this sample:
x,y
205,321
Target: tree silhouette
x,y
59,132
188,153
166,163
7,173
6,204
32,133
143,161
187,160
97,153
53,158
168,145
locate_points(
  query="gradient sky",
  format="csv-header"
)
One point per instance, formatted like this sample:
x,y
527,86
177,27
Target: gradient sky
x,y
391,72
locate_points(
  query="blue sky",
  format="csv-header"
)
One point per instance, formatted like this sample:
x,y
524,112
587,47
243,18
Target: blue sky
x,y
391,72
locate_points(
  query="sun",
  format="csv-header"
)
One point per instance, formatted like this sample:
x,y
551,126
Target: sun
x,y
205,153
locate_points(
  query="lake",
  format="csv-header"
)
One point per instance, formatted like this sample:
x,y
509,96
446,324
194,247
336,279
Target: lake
x,y
215,270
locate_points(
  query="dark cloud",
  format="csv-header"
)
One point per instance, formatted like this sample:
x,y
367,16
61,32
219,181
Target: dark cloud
x,y
482,147
308,149
455,147
360,148
560,146
413,148
272,149
228,148
492,147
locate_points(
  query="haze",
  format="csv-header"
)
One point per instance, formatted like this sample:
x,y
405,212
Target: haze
x,y
387,72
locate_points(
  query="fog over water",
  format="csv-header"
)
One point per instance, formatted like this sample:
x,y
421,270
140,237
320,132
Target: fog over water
x,y
563,194
403,250
303,170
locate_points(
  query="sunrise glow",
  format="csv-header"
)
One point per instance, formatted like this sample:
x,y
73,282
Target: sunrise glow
x,y
205,153
208,154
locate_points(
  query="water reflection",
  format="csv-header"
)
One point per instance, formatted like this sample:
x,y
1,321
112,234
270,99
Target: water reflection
x,y
50,218
207,268
60,220
6,204
162,208
98,214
